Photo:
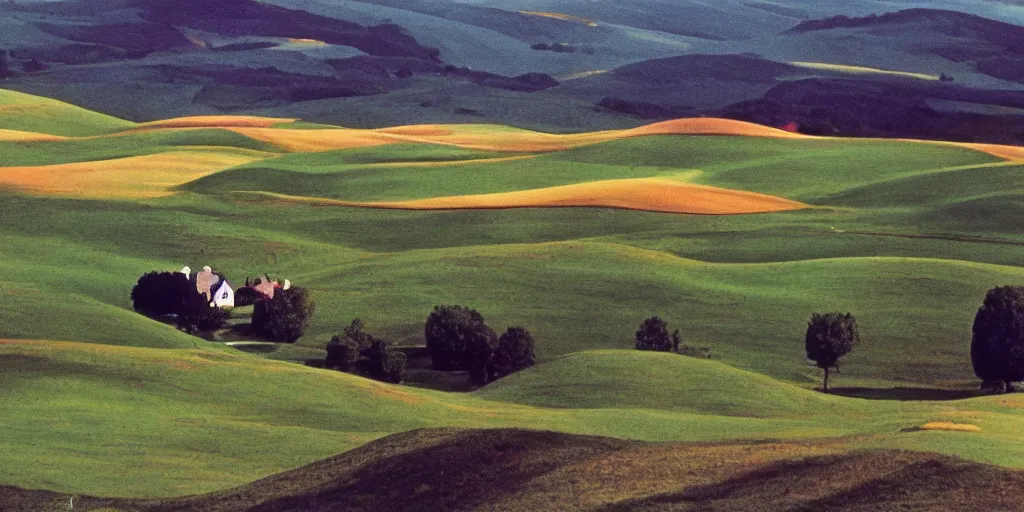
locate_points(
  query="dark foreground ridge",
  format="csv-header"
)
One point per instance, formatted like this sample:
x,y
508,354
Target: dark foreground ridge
x,y
448,469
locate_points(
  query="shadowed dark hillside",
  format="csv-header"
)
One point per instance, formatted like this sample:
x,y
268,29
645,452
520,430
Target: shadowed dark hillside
x,y
442,469
861,481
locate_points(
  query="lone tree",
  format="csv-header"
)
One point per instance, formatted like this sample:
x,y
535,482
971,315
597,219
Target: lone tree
x,y
162,293
450,331
285,317
997,345
513,353
830,336
653,335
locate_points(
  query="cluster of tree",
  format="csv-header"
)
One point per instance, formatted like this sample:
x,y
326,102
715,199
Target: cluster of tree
x,y
459,339
356,351
285,317
997,344
170,294
653,335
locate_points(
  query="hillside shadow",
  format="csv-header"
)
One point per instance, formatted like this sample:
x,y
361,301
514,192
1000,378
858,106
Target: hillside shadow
x,y
904,393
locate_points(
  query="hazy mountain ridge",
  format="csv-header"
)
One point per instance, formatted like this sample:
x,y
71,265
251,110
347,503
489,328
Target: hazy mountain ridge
x,y
554,65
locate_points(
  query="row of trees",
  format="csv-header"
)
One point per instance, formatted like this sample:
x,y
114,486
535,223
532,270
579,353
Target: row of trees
x,y
457,339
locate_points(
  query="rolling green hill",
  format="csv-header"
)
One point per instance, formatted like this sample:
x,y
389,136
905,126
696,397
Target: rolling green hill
x,y
908,236
25,112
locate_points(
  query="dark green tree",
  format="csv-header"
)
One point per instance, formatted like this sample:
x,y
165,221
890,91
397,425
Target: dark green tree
x,y
285,317
449,331
383,362
162,293
197,316
830,336
247,296
653,335
997,344
513,353
345,349
677,340
479,355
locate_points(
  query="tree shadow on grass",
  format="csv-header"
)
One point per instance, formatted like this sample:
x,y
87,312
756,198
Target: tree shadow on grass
x,y
904,393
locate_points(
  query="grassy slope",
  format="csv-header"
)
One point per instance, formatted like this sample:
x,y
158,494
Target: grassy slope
x,y
519,470
30,113
752,315
121,146
190,421
779,167
194,420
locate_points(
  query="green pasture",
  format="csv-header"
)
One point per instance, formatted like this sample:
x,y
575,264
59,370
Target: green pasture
x,y
907,236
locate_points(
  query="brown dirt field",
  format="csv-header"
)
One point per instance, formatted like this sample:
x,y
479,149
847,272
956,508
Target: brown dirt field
x,y
121,178
646,194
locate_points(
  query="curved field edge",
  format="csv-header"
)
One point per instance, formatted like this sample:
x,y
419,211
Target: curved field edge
x,y
644,194
207,424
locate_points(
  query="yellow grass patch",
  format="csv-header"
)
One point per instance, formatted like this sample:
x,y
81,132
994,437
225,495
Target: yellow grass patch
x,y
134,177
950,427
318,140
20,136
419,130
1011,153
563,17
1008,153
861,70
495,139
303,41
710,126
584,74
216,122
647,194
